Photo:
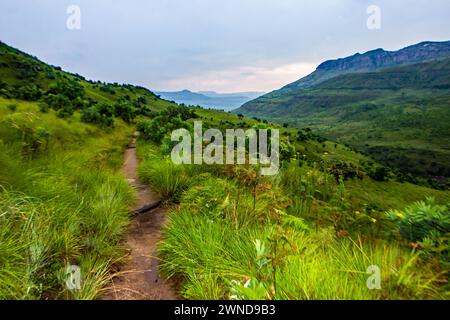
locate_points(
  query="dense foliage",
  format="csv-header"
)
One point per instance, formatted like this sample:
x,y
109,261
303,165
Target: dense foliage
x,y
426,223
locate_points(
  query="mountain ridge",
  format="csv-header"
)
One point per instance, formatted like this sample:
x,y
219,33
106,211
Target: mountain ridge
x,y
368,61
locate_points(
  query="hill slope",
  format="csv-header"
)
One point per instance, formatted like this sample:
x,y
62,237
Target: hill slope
x,y
398,115
23,76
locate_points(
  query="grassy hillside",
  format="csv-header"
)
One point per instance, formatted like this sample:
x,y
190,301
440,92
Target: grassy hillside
x,y
25,77
398,116
63,200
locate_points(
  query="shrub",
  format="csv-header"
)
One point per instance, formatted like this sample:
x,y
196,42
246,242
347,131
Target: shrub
x,y
125,111
57,101
167,179
28,92
91,115
44,107
159,127
69,89
379,173
65,112
12,107
211,197
287,150
422,220
100,114
345,170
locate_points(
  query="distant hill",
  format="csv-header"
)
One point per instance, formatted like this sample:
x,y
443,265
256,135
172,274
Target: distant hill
x,y
210,99
393,106
370,61
250,94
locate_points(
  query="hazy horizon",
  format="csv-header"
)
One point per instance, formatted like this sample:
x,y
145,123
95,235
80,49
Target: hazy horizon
x,y
232,46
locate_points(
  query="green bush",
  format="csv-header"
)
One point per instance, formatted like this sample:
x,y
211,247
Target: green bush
x,y
29,92
159,127
57,101
345,170
101,114
70,89
423,219
426,223
125,111
380,174
165,122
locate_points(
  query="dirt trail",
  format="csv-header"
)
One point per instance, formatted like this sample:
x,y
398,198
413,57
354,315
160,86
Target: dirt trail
x,y
139,278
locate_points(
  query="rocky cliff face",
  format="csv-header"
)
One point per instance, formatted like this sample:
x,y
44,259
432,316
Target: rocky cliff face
x,y
379,58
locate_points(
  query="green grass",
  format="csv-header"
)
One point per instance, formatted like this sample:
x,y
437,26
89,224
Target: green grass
x,y
63,203
337,270
166,178
301,238
390,194
214,260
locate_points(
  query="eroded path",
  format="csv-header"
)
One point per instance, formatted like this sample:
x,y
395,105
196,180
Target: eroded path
x,y
139,278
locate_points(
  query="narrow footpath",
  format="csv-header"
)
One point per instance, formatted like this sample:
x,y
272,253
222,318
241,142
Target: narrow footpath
x,y
139,278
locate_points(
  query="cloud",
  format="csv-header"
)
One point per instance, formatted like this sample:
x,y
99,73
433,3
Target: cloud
x,y
242,78
212,44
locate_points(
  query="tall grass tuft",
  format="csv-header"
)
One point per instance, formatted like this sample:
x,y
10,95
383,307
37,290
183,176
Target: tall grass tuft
x,y
167,179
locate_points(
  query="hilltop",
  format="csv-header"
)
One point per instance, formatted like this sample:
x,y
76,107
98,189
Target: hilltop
x,y
25,77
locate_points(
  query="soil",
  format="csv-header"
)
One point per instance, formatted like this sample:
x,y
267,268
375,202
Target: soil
x,y
139,278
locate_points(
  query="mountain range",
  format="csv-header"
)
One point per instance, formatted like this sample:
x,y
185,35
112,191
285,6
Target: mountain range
x,y
391,105
210,99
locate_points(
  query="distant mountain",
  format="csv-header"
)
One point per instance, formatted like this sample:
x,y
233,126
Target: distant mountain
x,y
370,61
214,94
393,106
185,95
210,99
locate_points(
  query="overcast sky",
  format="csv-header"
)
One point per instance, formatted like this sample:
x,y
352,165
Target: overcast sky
x,y
227,45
